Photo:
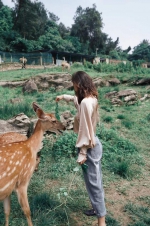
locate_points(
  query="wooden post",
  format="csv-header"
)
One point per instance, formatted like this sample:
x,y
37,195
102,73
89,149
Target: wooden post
x,y
41,60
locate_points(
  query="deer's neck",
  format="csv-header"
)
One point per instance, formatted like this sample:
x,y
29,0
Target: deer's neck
x,y
35,141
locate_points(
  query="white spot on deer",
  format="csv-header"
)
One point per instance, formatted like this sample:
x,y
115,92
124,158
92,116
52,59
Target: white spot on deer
x,y
25,173
4,174
31,168
13,156
8,168
12,171
7,185
17,163
9,144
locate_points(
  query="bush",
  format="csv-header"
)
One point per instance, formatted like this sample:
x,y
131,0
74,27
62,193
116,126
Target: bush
x,y
120,117
65,145
108,119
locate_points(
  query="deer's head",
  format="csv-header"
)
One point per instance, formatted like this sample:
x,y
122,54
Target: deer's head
x,y
48,120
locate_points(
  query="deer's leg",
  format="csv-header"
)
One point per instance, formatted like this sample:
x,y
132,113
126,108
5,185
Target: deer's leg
x,y
23,200
6,204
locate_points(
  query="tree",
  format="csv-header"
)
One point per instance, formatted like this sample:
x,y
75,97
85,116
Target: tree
x,y
6,24
30,18
87,27
5,20
63,30
53,17
1,4
141,51
114,54
110,45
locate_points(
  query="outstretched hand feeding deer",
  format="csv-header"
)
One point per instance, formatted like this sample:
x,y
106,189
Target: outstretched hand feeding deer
x,y
17,163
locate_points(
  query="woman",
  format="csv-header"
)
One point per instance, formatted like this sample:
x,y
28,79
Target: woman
x,y
89,146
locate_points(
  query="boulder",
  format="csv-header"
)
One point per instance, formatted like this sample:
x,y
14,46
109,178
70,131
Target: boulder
x,y
20,124
29,87
114,81
126,92
67,119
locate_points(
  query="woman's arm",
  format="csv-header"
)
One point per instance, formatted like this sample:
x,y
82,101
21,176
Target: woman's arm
x,y
86,136
82,156
65,97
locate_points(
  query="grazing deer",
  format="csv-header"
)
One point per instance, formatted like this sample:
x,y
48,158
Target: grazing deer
x,y
17,163
65,65
11,137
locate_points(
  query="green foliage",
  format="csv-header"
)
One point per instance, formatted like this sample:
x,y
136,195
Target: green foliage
x,y
65,146
87,26
120,156
88,65
127,123
106,108
8,110
111,221
123,169
114,54
141,52
121,116
57,111
43,202
108,119
148,117
31,22
5,20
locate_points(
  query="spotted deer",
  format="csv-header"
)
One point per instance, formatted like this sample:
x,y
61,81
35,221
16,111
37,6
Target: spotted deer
x,y
17,163
11,137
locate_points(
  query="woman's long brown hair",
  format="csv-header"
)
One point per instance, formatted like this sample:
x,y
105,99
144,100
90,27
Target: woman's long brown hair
x,y
85,85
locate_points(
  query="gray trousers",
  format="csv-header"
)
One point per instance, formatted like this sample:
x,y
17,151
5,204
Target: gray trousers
x,y
93,179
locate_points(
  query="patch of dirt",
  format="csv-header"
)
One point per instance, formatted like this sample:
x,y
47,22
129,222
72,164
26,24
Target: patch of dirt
x,y
120,193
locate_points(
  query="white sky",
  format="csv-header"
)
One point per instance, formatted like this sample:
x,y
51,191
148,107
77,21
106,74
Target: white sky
x,y
127,19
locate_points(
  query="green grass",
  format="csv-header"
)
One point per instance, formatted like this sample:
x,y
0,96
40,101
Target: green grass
x,y
56,192
140,214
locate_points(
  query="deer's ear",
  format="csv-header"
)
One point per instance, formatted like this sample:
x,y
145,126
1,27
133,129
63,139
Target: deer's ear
x,y
40,113
53,118
35,106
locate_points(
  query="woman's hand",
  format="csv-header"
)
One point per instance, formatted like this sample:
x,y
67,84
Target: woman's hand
x,y
81,158
58,98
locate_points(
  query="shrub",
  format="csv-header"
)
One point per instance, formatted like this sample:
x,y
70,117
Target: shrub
x,y
108,119
120,117
88,65
148,117
65,145
128,124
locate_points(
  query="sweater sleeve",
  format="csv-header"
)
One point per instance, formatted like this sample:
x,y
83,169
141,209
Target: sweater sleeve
x,y
71,98
68,97
86,135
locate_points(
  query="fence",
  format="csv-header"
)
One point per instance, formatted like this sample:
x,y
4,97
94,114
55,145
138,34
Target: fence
x,y
32,58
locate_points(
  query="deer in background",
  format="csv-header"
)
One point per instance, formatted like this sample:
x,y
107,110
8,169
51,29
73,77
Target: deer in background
x,y
64,65
17,163
23,61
